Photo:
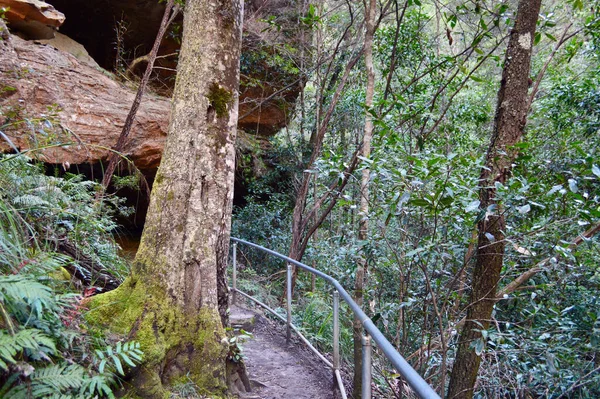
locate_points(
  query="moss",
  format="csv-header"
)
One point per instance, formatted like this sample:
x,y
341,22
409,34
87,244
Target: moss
x,y
141,310
219,99
170,195
61,274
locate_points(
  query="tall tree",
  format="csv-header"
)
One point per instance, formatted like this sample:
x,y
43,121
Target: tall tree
x,y
175,300
509,124
363,225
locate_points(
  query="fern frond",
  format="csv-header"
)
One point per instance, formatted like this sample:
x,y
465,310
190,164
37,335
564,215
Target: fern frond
x,y
19,288
30,339
57,380
30,201
129,353
58,377
98,384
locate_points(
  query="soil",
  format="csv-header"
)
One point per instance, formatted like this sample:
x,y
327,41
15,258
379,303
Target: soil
x,y
278,370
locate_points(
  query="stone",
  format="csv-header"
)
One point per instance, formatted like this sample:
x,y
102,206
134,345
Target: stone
x,y
241,318
87,105
35,18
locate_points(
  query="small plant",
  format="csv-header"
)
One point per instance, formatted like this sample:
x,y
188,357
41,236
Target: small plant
x,y
38,347
185,390
4,34
128,352
121,29
235,352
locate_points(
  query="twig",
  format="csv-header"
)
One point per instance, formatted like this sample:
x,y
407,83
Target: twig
x,y
542,72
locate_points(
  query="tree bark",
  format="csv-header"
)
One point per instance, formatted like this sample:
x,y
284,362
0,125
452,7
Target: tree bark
x,y
363,224
509,123
175,301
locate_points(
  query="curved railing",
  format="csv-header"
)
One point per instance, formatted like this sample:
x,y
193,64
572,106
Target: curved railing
x,y
417,383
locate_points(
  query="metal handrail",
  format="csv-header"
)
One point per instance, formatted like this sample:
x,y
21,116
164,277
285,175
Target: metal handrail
x,y
416,382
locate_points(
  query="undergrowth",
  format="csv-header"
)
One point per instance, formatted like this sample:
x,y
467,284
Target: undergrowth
x,y
45,348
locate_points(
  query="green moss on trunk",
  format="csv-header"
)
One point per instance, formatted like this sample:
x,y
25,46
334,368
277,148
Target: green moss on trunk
x,y
219,98
175,345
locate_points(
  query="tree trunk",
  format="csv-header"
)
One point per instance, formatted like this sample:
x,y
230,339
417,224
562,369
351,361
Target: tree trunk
x,y
363,225
175,301
511,115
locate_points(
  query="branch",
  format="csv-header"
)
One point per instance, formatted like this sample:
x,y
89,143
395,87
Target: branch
x,y
171,12
510,288
542,72
319,221
524,277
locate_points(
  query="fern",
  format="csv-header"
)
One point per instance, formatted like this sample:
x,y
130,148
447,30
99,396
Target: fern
x,y
30,201
13,236
129,352
25,340
44,350
20,288
98,384
54,380
60,378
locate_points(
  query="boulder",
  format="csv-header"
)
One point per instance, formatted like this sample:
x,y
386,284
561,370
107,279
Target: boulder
x,y
61,82
34,18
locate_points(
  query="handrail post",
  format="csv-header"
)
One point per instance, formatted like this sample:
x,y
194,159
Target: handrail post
x,y
289,303
234,277
336,330
366,367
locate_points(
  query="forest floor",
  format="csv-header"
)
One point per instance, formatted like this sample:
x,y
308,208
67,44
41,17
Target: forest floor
x,y
278,370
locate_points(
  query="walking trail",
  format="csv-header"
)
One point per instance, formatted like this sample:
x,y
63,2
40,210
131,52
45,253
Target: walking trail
x,y
276,369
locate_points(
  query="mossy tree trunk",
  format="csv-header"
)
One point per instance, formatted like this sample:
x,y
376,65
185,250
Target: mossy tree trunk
x,y
175,300
509,123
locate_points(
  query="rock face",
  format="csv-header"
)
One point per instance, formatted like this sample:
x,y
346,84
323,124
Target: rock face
x,y
34,18
82,104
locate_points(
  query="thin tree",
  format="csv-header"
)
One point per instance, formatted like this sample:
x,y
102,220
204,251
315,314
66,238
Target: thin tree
x,y
171,11
509,124
174,302
363,224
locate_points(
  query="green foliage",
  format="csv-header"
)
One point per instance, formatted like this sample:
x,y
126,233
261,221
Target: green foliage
x,y
44,349
314,317
433,120
47,210
32,341
129,353
185,390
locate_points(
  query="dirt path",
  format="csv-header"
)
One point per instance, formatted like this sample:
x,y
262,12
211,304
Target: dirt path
x,y
280,371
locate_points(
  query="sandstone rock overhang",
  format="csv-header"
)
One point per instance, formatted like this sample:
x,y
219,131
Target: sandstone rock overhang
x,y
121,31
54,99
